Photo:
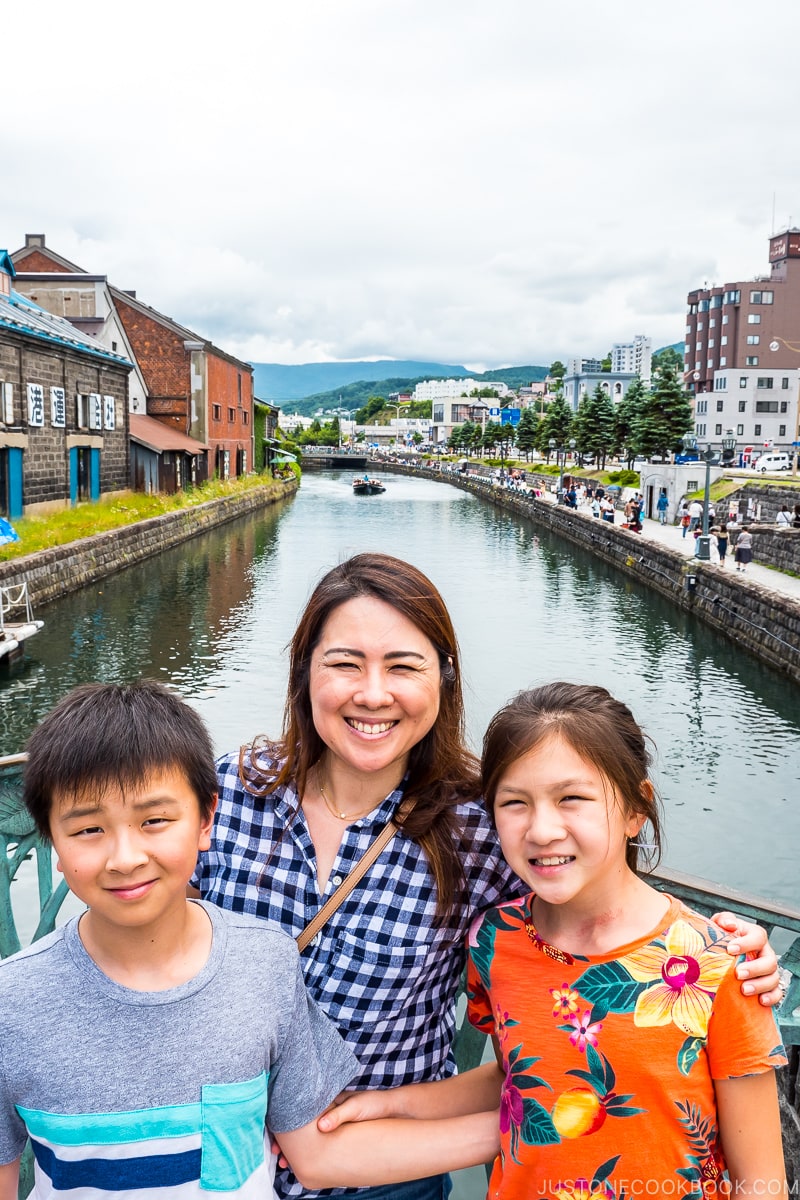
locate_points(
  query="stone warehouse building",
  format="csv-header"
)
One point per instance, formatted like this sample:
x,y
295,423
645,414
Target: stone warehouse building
x,y
63,408
200,394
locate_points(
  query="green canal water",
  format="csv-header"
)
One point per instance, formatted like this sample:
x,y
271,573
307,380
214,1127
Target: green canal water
x,y
213,619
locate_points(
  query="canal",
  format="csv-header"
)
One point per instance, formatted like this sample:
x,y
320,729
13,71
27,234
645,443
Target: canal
x,y
213,619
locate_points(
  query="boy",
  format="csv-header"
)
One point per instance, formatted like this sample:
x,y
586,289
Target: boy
x,y
144,1046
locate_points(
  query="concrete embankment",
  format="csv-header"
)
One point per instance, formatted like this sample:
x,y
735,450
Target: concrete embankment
x,y
53,573
756,618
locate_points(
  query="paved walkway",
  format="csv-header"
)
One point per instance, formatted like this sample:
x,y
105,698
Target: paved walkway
x,y
671,535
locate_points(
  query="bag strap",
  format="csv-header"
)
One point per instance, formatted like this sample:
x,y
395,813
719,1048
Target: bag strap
x,y
346,886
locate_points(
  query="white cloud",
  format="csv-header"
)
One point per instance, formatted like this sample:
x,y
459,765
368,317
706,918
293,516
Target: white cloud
x,y
409,178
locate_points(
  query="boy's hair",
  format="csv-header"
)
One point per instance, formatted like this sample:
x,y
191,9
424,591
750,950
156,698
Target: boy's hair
x,y
103,734
599,728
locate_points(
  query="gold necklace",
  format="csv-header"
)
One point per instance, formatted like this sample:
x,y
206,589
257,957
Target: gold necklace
x,y
342,816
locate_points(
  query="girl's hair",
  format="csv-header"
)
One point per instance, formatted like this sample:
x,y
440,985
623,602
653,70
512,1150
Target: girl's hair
x,y
599,728
440,769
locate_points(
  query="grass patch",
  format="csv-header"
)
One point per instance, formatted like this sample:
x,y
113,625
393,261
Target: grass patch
x,y
87,519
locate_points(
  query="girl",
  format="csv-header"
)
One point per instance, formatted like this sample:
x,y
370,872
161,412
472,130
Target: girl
x,y
599,991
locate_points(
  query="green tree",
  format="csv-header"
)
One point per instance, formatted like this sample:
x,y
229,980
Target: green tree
x,y
374,405
556,424
490,438
527,432
668,357
506,438
626,416
557,370
605,363
593,427
470,432
665,416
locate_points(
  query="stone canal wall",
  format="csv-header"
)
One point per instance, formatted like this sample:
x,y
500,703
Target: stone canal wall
x,y
752,616
53,573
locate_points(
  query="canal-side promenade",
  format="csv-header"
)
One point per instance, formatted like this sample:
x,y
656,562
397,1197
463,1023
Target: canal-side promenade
x,y
672,537
759,611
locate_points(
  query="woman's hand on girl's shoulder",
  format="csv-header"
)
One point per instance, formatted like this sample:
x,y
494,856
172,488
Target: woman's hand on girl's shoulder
x,y
759,974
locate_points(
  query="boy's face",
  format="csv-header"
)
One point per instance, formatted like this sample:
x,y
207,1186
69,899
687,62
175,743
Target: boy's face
x,y
129,856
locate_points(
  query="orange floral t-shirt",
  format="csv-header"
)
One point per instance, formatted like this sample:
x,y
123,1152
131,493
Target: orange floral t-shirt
x,y
610,1061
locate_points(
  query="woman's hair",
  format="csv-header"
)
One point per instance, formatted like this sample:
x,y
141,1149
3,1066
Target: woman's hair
x,y
599,728
440,768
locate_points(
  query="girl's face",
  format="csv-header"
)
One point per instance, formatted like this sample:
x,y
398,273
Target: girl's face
x,y
562,827
374,686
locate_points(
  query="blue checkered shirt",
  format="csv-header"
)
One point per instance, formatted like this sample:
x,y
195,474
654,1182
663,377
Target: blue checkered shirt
x,y
381,969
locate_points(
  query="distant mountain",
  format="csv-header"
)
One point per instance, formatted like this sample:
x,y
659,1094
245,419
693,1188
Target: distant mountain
x,y
365,382
277,382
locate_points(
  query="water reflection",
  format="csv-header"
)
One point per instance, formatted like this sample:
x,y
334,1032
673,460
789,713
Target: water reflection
x,y
214,618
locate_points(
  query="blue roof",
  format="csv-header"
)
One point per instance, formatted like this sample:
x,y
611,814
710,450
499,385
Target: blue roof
x,y
21,315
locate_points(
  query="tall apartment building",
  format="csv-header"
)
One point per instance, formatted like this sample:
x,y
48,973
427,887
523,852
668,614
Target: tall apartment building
x,y
752,323
633,358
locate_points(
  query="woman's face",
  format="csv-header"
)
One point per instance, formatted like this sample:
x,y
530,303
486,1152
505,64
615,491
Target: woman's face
x,y
374,686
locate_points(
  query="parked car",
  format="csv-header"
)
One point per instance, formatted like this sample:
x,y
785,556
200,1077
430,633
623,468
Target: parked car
x,y
687,456
772,462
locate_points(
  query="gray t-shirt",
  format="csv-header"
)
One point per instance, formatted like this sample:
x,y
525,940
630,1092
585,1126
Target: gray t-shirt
x,y
156,1094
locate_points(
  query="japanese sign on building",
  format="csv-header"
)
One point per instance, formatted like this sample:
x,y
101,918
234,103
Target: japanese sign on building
x,y
35,404
58,407
109,412
95,410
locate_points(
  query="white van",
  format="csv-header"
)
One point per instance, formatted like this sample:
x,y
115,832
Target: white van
x,y
773,462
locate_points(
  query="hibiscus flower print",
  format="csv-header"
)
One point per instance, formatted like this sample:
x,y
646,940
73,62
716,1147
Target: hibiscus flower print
x,y
686,971
511,1106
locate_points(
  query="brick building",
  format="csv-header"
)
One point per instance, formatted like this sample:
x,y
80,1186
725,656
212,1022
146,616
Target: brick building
x,y
63,408
195,390
751,323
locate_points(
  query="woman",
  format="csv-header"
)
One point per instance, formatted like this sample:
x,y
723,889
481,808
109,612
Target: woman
x,y
722,543
743,554
373,729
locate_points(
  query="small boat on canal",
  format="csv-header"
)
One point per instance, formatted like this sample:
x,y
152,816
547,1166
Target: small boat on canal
x,y
17,622
363,485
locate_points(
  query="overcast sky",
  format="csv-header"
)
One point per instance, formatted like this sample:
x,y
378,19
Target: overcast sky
x,y
489,183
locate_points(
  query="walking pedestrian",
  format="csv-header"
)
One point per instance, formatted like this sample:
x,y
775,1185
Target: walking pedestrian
x,y
662,504
685,519
784,517
695,515
744,550
722,543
